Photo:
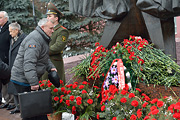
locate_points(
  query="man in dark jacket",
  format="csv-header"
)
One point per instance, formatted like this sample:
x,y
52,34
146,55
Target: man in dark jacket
x,y
4,53
4,72
17,37
33,60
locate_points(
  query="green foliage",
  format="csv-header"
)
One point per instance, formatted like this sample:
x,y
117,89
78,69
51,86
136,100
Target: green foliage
x,y
21,12
84,32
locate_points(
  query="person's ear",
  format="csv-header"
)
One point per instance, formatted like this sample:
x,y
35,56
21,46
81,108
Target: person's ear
x,y
56,18
42,27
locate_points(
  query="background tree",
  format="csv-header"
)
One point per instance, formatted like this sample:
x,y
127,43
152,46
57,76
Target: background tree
x,y
84,32
21,12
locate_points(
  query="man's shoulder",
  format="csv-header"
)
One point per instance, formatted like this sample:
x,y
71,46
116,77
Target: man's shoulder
x,y
59,27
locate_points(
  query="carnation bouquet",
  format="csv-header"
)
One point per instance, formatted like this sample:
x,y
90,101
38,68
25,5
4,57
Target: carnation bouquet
x,y
129,104
58,106
142,62
99,96
80,99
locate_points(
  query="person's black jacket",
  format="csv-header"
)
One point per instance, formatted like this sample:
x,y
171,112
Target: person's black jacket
x,y
4,70
5,38
13,50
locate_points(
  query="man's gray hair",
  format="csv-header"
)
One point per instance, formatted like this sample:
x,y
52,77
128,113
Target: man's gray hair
x,y
43,22
15,25
5,14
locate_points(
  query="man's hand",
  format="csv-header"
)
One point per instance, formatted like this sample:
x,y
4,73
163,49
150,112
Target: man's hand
x,y
35,87
54,69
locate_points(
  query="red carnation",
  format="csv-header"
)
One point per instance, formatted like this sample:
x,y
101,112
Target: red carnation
x,y
49,84
55,90
141,61
63,89
75,82
73,108
177,106
138,89
123,100
96,87
61,82
97,116
134,103
84,91
139,113
153,108
56,98
84,82
71,97
147,117
81,86
160,103
68,102
123,92
171,107
133,117
176,115
144,105
131,95
126,87
61,96
74,112
114,118
147,98
42,85
69,91
110,98
98,95
74,86
97,44
154,112
103,108
60,100
78,102
154,101
90,101
78,98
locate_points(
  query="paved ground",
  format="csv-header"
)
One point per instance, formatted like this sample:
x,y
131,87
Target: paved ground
x,y
4,115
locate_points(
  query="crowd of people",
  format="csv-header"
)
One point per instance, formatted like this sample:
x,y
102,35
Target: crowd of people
x,y
24,59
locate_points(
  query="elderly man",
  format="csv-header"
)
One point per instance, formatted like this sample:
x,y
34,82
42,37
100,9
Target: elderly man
x,y
33,60
4,53
17,37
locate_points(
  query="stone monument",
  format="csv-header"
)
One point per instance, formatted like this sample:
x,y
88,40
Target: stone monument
x,y
150,19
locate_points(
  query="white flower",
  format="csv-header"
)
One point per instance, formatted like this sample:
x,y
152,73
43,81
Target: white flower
x,y
130,86
124,67
115,63
128,75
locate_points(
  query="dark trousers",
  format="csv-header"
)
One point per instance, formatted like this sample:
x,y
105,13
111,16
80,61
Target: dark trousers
x,y
21,89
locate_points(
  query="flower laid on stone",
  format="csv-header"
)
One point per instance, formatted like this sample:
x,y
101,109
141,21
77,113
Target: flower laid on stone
x,y
134,105
142,62
99,95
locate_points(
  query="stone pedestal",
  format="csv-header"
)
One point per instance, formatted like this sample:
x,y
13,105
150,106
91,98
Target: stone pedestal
x,y
159,91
